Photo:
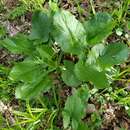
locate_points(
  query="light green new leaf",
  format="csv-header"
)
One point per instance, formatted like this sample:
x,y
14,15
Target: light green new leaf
x,y
41,26
114,54
94,53
66,119
69,32
47,54
68,74
98,28
31,90
83,93
75,124
45,51
86,72
19,44
27,71
74,109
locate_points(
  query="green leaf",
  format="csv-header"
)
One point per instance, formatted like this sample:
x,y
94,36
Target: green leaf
x,y
68,74
83,126
83,93
86,72
2,31
114,54
66,119
75,124
74,107
41,26
128,25
69,32
31,90
18,44
47,55
94,53
98,28
73,110
26,71
45,51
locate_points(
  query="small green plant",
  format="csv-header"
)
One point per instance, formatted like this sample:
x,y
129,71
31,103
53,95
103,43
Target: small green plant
x,y
25,6
34,118
122,11
1,5
33,4
2,31
17,12
54,35
6,85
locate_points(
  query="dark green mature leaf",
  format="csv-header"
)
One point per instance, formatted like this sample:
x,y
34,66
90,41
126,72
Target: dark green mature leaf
x,y
98,28
83,126
41,26
69,32
26,71
68,74
31,90
114,54
19,44
86,72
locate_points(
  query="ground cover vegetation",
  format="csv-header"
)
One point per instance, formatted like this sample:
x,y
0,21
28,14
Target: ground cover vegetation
x,y
65,65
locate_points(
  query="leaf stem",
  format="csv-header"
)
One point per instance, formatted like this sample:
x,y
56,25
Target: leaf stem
x,y
92,6
55,98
